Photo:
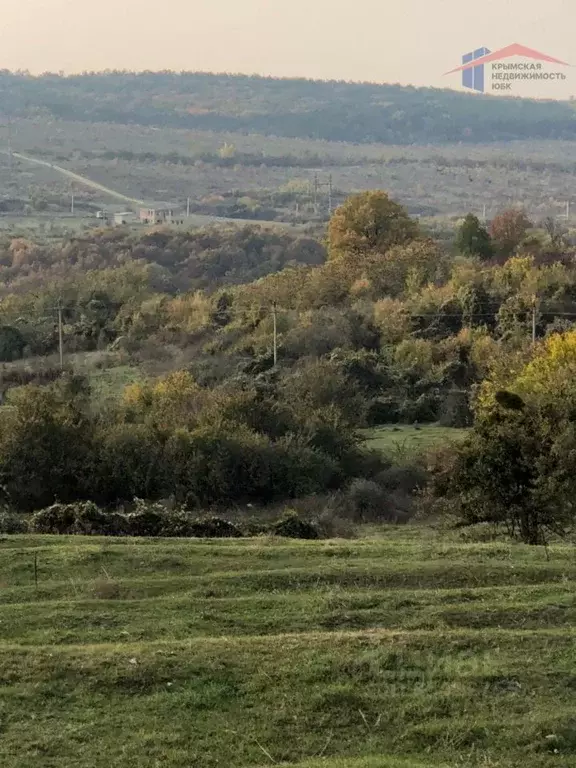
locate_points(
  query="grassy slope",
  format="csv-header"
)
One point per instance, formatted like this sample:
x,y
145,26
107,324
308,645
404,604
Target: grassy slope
x,y
403,441
239,653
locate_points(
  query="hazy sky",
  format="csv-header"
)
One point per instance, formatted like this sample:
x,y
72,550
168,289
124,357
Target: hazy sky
x,y
407,41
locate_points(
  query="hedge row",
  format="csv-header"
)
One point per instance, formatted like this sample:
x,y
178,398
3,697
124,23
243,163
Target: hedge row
x,y
149,520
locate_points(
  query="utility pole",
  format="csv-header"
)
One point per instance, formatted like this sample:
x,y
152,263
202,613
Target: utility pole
x,y
484,213
568,210
72,204
534,321
60,335
188,208
9,147
275,339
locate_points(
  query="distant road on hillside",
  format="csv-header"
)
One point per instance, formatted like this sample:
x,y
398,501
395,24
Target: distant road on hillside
x,y
77,178
195,219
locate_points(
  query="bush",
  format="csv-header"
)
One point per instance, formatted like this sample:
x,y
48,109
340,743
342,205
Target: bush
x,y
214,528
422,410
12,344
92,521
331,524
455,410
292,527
406,478
12,523
56,519
82,518
385,410
366,501
147,520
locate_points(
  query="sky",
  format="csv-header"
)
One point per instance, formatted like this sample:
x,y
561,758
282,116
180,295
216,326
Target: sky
x,y
405,41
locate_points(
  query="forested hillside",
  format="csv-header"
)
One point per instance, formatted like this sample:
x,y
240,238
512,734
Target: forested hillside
x,y
230,367
336,111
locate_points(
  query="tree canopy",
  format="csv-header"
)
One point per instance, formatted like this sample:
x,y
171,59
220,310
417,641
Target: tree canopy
x,y
369,222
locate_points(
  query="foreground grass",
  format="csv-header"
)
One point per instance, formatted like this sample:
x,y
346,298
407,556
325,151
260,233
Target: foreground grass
x,y
404,651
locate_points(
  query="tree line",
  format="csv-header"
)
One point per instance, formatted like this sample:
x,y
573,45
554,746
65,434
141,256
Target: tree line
x,y
296,108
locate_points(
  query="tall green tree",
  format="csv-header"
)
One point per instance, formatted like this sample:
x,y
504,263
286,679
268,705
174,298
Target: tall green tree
x,y
473,239
46,445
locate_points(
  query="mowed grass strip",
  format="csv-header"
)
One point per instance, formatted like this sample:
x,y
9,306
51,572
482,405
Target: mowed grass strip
x,y
108,619
407,650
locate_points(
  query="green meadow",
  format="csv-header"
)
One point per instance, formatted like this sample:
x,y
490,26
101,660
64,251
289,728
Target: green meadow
x,y
409,649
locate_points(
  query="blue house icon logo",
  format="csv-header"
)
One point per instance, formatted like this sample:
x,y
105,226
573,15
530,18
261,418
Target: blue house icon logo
x,y
473,77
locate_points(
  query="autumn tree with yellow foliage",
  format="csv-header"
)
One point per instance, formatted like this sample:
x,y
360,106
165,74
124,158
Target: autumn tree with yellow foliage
x,y
369,222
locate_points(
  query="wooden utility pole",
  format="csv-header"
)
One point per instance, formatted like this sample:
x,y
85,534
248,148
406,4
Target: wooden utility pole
x,y
10,148
188,208
534,321
275,339
316,185
60,335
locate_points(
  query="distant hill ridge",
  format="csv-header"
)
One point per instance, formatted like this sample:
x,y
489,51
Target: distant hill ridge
x,y
294,108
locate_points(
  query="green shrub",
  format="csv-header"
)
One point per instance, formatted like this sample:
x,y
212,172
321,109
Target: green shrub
x,y
331,524
366,501
455,411
406,478
147,520
82,518
12,523
56,519
293,527
423,410
214,528
385,410
90,520
12,344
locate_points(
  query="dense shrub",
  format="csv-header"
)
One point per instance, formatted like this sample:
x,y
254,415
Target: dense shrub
x,y
12,344
405,478
56,519
331,523
92,521
214,528
385,410
366,501
424,409
293,527
82,518
12,523
147,520
455,411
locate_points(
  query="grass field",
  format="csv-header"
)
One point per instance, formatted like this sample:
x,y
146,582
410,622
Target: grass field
x,y
403,441
406,650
